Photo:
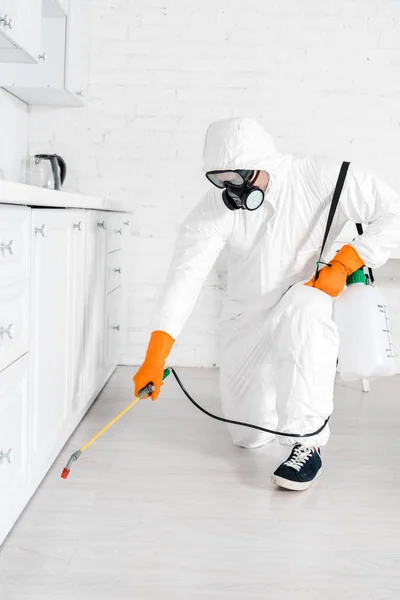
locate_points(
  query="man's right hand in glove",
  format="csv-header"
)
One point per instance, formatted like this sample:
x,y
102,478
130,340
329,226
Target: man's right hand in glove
x,y
152,369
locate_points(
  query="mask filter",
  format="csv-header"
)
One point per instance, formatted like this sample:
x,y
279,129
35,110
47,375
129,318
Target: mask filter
x,y
238,192
250,199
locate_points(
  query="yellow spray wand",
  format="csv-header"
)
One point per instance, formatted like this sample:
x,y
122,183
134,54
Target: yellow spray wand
x,y
146,391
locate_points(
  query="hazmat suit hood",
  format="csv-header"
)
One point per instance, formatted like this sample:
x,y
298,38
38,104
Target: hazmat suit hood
x,y
240,143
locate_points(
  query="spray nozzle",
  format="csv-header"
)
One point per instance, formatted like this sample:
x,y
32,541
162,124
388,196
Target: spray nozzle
x,y
67,469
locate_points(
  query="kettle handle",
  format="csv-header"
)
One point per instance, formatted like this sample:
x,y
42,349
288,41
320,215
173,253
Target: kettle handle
x,y
63,168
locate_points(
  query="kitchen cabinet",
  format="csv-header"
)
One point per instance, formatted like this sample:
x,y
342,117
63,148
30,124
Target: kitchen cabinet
x,y
14,442
52,232
76,391
113,327
119,238
127,254
61,293
20,29
118,231
14,322
78,49
15,224
114,270
115,232
60,77
15,228
96,270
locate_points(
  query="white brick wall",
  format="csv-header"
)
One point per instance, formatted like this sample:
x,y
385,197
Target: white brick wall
x,y
13,135
323,76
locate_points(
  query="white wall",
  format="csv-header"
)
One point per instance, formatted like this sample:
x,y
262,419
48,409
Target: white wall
x,y
322,76
13,135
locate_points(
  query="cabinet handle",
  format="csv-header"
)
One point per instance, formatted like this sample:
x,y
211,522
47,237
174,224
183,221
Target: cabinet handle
x,y
116,327
6,331
42,56
6,455
77,226
126,223
118,270
4,247
101,224
80,93
3,20
119,231
40,230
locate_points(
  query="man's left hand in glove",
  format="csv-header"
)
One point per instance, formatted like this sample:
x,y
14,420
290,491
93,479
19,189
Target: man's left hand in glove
x,y
332,278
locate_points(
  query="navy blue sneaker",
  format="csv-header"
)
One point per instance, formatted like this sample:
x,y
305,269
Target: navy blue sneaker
x,y
303,466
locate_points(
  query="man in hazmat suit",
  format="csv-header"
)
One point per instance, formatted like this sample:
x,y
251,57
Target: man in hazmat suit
x,y
278,342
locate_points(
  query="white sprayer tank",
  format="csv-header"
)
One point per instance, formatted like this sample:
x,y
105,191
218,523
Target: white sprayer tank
x,y
361,316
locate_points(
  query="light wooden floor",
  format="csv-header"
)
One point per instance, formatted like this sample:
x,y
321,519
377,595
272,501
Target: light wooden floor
x,y
164,507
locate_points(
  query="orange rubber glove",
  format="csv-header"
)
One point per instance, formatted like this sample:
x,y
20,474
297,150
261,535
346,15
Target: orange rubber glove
x,y
152,369
332,279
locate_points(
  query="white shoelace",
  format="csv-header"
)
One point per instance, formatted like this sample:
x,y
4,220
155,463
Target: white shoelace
x,y
300,456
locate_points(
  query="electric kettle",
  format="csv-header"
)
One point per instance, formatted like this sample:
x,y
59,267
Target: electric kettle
x,y
53,170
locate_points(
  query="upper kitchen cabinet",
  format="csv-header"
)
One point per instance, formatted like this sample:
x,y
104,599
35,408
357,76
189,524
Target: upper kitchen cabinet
x,y
20,22
60,77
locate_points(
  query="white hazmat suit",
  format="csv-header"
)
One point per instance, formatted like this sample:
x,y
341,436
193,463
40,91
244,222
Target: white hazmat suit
x,y
278,343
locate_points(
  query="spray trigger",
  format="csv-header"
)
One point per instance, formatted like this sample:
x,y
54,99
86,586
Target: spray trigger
x,y
150,387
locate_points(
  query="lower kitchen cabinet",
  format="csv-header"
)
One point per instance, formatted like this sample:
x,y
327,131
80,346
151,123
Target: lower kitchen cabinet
x,y
52,275
14,322
96,270
14,442
76,388
59,342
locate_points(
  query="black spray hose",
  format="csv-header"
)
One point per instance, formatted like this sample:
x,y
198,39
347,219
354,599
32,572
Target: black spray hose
x,y
147,390
249,425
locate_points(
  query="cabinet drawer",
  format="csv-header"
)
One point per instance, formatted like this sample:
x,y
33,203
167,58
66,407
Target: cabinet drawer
x,y
15,240
14,418
113,326
115,232
114,270
14,322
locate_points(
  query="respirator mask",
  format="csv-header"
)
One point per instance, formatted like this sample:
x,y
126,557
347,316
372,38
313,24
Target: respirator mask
x,y
238,192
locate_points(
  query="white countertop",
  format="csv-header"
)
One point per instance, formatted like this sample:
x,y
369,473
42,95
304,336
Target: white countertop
x,y
29,195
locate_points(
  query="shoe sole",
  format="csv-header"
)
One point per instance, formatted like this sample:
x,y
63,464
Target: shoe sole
x,y
295,486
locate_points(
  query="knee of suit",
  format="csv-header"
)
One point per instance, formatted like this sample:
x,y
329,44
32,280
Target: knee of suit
x,y
311,303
